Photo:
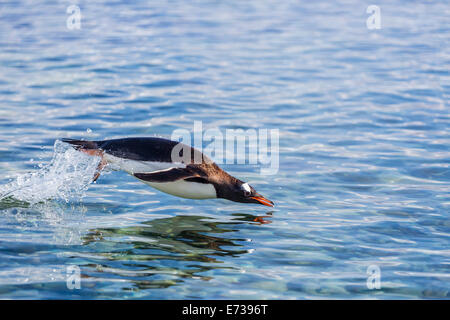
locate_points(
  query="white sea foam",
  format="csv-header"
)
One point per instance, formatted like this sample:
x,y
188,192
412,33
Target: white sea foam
x,y
66,177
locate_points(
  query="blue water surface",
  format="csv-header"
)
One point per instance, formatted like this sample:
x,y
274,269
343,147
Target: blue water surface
x,y
363,178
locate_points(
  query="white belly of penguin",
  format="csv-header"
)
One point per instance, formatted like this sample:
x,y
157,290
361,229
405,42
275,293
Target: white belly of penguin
x,y
185,189
132,166
179,188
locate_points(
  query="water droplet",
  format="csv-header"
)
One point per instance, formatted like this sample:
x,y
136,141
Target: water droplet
x,y
66,177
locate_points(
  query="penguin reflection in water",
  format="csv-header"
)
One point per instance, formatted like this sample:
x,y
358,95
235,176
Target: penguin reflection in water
x,y
191,175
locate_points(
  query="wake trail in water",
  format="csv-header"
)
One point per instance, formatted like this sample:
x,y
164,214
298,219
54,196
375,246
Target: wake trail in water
x,y
66,177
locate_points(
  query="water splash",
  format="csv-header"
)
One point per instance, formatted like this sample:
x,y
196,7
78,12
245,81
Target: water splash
x,y
66,177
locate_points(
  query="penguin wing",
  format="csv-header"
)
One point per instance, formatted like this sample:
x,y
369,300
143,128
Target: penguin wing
x,y
169,175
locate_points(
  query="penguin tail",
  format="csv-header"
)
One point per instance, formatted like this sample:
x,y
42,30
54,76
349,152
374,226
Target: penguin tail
x,y
91,148
81,144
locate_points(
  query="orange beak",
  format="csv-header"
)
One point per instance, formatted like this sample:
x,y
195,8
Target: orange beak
x,y
263,201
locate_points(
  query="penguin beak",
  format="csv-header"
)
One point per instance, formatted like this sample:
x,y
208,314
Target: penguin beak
x,y
263,200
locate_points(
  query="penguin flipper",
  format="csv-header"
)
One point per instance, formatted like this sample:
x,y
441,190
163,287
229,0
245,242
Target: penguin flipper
x,y
168,175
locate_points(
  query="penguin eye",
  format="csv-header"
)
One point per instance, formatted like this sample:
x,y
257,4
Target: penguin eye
x,y
247,190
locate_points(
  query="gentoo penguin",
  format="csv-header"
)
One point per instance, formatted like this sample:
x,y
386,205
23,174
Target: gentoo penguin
x,y
171,167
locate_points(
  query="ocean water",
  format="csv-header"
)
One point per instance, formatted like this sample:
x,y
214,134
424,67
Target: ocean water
x,y
364,149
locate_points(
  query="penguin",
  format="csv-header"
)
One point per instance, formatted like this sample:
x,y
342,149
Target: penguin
x,y
171,167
